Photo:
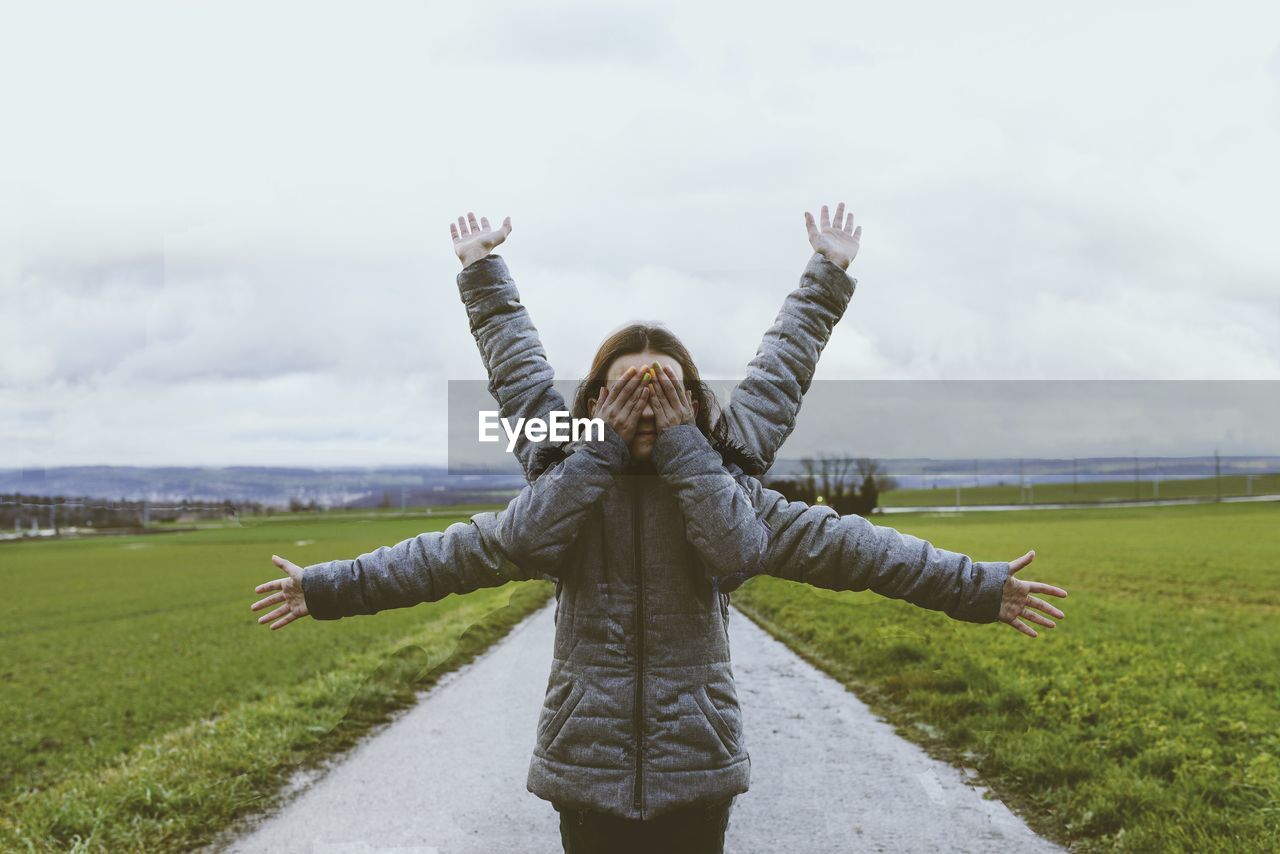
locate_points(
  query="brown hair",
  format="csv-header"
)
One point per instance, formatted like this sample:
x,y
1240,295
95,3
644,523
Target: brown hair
x,y
636,338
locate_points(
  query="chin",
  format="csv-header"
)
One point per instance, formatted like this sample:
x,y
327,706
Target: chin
x,y
642,452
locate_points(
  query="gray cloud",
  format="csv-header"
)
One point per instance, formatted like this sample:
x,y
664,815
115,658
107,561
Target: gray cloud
x,y
249,262
567,35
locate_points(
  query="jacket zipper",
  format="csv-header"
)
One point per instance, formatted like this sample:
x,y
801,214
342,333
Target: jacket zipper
x,y
636,516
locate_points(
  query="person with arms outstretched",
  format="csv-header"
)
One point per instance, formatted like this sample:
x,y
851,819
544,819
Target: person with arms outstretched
x,y
561,516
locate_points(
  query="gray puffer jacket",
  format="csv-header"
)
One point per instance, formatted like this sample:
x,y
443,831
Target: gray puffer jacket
x,y
590,750
760,415
641,716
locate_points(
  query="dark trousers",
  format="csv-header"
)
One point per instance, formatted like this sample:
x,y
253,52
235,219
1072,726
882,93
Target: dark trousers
x,y
696,830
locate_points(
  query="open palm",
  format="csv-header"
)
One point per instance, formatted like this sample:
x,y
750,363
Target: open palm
x,y
1017,601
473,240
288,595
837,240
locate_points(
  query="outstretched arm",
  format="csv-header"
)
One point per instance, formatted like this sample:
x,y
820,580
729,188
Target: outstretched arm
x,y
762,408
426,568
522,542
820,547
817,546
520,377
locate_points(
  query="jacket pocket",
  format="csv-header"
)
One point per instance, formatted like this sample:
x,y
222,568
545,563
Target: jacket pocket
x,y
717,721
553,727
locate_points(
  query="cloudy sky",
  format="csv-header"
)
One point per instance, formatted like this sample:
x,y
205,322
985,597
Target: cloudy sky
x,y
224,226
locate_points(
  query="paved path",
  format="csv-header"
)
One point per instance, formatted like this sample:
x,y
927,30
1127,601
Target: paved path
x,y
448,775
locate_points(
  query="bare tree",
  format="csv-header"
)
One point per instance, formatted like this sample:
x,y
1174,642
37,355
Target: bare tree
x,y
869,468
846,484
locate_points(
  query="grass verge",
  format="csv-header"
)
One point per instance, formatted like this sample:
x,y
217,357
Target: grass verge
x,y
1148,720
179,790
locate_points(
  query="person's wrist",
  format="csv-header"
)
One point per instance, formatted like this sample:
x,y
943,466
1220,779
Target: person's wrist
x,y
676,433
470,258
614,444
839,260
673,442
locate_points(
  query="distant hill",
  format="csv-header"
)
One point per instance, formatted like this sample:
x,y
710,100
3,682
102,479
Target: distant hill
x,y
327,487
416,486
923,472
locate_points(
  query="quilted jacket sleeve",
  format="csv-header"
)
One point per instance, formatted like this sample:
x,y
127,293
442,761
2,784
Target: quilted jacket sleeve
x,y
462,558
721,521
540,525
817,546
763,408
520,377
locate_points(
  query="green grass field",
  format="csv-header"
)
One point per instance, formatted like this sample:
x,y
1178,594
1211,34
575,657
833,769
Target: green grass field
x,y
1086,492
145,708
143,705
1147,720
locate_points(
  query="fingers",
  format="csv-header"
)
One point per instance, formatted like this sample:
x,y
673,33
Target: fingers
x,y
1048,589
277,584
270,600
286,620
665,395
291,569
468,226
810,226
677,393
662,383
1019,563
675,388
1028,614
843,221
1024,628
628,376
620,396
686,396
663,412
625,386
639,401
266,618
641,396
1045,606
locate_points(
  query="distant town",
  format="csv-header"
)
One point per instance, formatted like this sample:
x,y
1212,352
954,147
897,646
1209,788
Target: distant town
x,y
82,500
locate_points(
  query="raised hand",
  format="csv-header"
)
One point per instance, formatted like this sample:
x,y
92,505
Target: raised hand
x,y
838,241
1018,601
620,405
671,402
473,240
288,592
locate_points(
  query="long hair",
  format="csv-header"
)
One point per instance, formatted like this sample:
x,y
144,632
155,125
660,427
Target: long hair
x,y
636,338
